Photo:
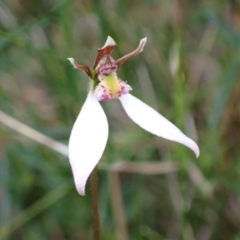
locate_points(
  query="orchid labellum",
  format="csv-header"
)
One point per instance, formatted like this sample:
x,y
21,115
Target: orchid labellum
x,y
90,131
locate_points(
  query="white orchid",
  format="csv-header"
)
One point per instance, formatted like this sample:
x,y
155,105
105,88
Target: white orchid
x,y
90,131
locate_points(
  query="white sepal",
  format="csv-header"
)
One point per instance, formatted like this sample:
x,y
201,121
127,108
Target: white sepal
x,y
109,42
87,141
150,120
142,44
71,60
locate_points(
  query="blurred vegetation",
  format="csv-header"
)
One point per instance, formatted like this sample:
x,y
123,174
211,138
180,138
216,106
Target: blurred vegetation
x,y
189,71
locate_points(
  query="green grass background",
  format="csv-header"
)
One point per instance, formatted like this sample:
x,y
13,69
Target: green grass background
x,y
189,71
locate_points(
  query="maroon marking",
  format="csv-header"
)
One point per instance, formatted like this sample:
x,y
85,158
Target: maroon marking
x,y
101,52
83,67
139,49
107,70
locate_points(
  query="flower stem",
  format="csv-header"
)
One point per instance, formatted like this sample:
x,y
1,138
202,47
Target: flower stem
x,y
95,213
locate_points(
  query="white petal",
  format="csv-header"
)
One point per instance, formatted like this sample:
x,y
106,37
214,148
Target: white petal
x,y
87,141
109,42
150,120
142,44
71,61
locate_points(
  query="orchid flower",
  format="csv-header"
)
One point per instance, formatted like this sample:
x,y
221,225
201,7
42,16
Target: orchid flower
x,y
90,132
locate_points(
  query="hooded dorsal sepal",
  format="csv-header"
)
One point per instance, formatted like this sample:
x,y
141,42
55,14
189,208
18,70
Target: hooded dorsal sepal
x,y
105,50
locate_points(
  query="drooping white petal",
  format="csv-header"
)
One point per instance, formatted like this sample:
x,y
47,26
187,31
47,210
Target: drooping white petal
x,y
87,141
150,120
